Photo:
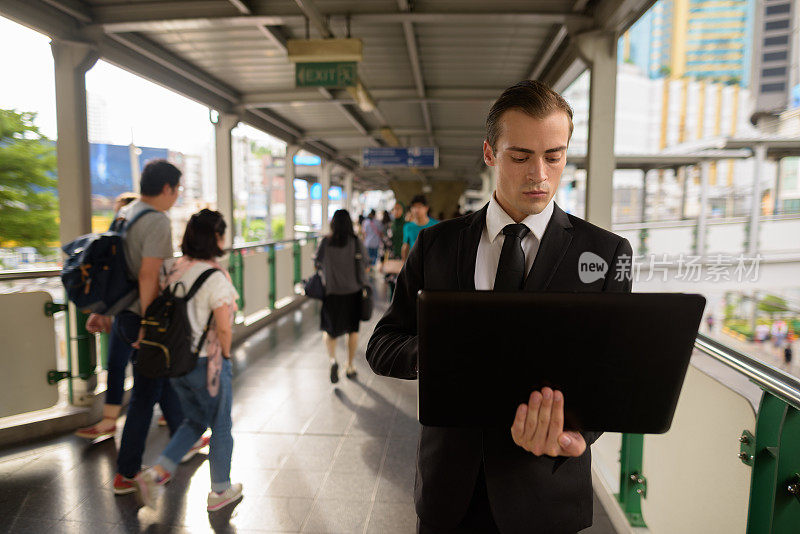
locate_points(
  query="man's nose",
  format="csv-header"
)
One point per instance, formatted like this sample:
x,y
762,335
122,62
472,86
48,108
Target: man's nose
x,y
536,171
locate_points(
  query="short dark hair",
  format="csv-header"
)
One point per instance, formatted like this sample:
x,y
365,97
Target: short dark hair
x,y
418,199
200,237
341,228
155,175
529,96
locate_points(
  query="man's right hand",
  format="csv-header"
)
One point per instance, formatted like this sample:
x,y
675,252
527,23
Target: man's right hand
x,y
98,323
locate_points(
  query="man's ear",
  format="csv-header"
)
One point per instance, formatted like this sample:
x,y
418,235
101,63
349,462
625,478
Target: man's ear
x,y
488,154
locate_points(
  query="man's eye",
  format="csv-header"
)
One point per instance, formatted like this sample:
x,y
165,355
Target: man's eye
x,y
518,160
553,160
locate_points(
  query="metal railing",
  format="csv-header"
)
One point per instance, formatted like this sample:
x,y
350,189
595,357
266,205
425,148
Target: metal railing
x,y
33,274
81,347
772,450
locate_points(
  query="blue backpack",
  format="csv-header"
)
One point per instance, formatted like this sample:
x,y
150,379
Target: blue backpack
x,y
95,275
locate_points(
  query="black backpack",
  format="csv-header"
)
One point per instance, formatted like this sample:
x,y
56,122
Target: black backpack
x,y
95,274
166,349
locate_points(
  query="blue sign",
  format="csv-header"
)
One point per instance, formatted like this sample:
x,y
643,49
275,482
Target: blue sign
x,y
420,156
316,191
306,159
795,97
110,167
334,193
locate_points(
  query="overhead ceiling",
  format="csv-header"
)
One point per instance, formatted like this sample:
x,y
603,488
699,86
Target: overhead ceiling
x,y
432,68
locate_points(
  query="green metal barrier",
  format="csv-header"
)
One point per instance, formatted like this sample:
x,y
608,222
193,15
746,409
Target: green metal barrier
x,y
297,254
236,270
86,347
775,459
272,275
632,483
773,452
104,350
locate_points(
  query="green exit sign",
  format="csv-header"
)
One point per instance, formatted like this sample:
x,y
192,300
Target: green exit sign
x,y
341,74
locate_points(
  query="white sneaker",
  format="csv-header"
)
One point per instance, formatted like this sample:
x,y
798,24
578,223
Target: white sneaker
x,y
149,487
191,453
217,501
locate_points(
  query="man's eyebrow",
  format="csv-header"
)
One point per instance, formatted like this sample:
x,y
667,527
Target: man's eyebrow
x,y
529,151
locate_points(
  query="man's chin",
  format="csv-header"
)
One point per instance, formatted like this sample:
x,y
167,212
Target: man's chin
x,y
533,207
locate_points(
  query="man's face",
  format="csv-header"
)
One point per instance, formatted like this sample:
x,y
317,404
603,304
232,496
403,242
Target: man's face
x,y
530,157
419,210
172,193
397,211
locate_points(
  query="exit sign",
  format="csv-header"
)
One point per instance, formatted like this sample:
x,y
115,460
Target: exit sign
x,y
342,74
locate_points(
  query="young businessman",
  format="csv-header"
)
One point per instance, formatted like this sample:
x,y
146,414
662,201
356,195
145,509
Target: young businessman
x,y
533,477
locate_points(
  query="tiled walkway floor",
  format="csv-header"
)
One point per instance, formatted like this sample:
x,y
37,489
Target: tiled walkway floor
x,y
312,457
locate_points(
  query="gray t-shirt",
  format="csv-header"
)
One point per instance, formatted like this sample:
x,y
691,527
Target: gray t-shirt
x,y
149,237
338,265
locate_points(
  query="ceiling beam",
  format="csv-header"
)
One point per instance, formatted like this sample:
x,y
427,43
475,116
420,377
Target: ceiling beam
x,y
266,100
416,69
403,132
547,52
619,15
243,6
74,8
277,37
164,57
42,17
126,58
162,16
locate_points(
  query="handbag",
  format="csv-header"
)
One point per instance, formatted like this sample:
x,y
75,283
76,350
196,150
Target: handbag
x,y
314,287
366,290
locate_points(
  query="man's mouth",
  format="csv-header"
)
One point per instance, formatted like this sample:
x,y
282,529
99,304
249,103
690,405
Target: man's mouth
x,y
535,194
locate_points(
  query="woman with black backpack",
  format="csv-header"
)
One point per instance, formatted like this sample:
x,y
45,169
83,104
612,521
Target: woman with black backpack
x,y
205,392
341,258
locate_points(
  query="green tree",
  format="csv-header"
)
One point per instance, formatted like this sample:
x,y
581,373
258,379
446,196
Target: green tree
x,y
772,304
28,202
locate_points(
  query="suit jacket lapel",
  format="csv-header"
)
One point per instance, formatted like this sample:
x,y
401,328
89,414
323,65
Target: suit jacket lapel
x,y
468,241
555,242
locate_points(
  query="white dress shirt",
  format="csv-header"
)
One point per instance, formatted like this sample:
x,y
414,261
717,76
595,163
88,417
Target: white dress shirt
x,y
492,240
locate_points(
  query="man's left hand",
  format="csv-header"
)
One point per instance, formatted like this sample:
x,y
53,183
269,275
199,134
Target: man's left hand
x,y
539,426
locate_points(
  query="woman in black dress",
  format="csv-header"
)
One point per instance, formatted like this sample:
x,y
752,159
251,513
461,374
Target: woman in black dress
x,y
340,258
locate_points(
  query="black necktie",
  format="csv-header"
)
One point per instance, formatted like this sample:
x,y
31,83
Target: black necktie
x,y
511,268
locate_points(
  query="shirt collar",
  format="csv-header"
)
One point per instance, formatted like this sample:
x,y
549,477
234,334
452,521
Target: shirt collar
x,y
497,219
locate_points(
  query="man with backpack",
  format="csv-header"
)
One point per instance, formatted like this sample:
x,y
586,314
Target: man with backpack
x,y
147,243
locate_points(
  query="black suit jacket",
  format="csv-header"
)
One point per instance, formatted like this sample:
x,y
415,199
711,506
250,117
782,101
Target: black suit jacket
x,y
528,494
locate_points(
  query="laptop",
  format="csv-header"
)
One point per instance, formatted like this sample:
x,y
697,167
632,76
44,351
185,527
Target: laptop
x,y
619,358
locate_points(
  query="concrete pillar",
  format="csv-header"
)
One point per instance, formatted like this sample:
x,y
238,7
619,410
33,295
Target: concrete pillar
x,y
348,192
226,122
702,217
599,50
289,173
643,198
309,202
133,156
759,156
71,61
268,218
776,207
683,173
325,182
